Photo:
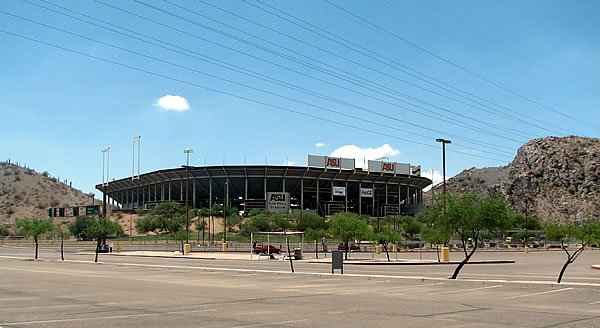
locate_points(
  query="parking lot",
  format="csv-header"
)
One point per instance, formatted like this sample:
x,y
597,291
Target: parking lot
x,y
169,291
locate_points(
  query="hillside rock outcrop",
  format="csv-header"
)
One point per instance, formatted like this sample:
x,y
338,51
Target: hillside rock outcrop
x,y
556,179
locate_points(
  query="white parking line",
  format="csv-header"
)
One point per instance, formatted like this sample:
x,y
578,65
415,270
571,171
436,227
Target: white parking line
x,y
540,293
465,290
104,318
414,286
595,302
271,323
17,298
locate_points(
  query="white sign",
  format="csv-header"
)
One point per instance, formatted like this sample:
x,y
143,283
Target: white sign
x,y
366,192
339,191
278,202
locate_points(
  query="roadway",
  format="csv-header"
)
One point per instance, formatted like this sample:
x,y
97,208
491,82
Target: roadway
x,y
175,292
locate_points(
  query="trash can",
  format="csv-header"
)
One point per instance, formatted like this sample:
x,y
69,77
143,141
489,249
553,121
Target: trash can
x,y
445,254
298,253
186,248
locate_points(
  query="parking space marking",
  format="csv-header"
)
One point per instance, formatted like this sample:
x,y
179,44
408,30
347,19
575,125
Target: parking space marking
x,y
415,286
16,298
124,316
595,302
540,293
271,323
464,290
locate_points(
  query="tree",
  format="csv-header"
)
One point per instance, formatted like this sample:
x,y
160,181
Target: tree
x,y
4,231
312,234
167,217
233,220
348,226
308,220
217,210
436,237
467,215
100,228
201,225
584,233
410,227
80,225
33,227
280,222
182,236
256,223
62,233
386,236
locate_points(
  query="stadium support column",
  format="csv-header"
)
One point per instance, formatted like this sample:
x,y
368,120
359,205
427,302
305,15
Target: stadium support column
x,y
346,197
162,191
373,201
169,190
302,195
360,198
211,224
386,200
181,190
318,203
399,199
265,190
194,193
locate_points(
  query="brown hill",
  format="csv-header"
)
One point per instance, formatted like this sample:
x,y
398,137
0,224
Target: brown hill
x,y
27,193
556,179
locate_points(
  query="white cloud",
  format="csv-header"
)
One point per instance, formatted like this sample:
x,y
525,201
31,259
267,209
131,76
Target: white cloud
x,y
362,155
319,144
436,177
170,102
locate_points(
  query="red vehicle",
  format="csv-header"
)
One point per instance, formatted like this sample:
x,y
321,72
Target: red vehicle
x,y
344,246
264,249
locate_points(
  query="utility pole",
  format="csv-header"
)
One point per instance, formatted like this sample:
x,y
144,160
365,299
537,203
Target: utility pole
x,y
444,142
187,188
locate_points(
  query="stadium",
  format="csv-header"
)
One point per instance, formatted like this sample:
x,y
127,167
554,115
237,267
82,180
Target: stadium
x,y
326,185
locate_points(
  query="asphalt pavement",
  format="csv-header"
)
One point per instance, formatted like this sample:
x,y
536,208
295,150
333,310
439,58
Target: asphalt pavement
x,y
132,291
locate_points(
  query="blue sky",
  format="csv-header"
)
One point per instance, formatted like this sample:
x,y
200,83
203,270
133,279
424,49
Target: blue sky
x,y
273,81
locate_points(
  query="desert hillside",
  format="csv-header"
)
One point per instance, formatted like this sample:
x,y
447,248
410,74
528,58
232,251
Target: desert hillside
x,y
556,179
27,193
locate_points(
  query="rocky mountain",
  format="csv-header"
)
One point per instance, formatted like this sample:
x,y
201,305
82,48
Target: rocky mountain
x,y
553,178
27,193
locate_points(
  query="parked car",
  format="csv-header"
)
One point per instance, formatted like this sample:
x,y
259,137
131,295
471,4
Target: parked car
x,y
344,246
264,249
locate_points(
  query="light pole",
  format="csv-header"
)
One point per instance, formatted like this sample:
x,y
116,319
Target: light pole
x,y
187,151
226,201
105,153
135,139
444,142
105,150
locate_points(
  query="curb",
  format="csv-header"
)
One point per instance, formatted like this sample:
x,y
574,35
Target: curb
x,y
421,263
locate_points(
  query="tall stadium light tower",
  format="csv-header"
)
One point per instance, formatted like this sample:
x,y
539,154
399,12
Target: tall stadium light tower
x,y
105,151
187,151
135,139
444,142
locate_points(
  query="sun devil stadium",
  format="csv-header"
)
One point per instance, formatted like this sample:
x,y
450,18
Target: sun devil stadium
x,y
326,185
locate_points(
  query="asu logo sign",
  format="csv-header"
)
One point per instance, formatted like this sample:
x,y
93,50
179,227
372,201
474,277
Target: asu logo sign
x,y
389,167
277,197
278,202
333,162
